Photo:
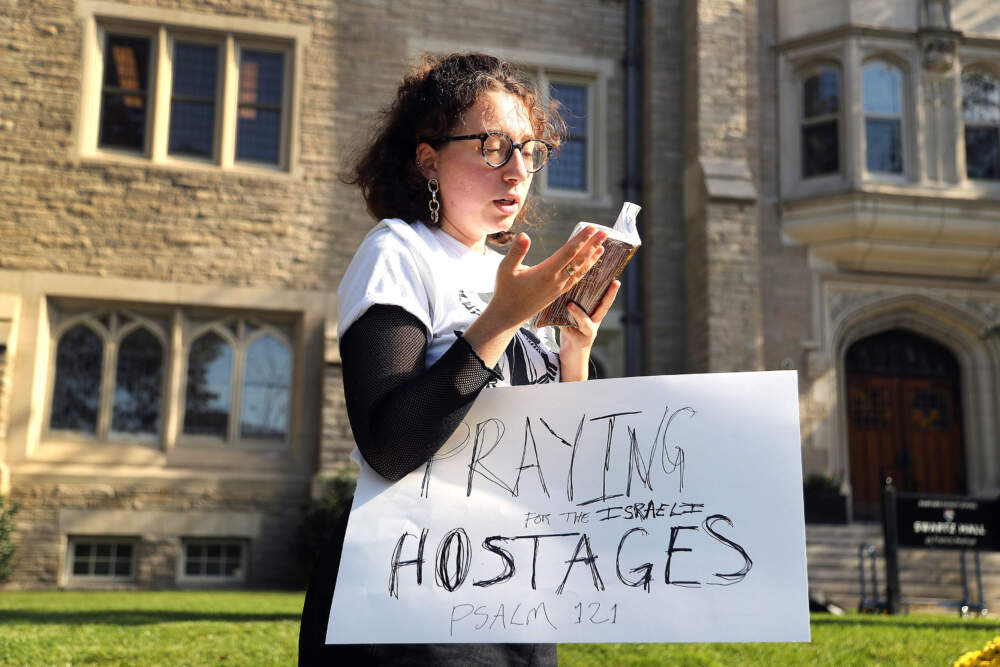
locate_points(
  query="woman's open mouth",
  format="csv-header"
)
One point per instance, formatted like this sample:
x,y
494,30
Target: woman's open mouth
x,y
507,206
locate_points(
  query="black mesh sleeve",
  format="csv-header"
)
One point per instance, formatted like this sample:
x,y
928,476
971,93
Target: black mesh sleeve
x,y
400,412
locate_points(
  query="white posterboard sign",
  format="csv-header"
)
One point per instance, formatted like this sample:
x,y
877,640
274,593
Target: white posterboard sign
x,y
651,509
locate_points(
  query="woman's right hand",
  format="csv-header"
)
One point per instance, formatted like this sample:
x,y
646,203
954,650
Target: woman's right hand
x,y
521,291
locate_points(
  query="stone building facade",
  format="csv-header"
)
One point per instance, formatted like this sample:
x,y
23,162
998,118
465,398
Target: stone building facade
x,y
808,205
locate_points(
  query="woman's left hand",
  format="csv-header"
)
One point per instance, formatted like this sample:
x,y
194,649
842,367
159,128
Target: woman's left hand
x,y
575,341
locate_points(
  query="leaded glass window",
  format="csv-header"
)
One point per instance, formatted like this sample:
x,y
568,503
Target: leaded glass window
x,y
882,91
244,352
76,394
209,386
110,369
258,130
981,112
568,169
138,396
267,379
124,99
820,123
192,101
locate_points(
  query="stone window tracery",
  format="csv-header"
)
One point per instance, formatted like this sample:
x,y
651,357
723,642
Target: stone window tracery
x,y
110,367
108,376
239,366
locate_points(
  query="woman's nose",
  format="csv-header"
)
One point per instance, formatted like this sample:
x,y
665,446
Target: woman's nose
x,y
516,169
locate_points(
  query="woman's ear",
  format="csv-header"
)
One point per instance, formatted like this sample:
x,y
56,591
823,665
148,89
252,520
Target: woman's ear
x,y
426,160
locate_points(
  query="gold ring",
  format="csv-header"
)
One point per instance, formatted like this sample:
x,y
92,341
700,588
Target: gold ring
x,y
569,269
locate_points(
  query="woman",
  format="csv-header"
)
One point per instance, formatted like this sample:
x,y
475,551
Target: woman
x,y
420,334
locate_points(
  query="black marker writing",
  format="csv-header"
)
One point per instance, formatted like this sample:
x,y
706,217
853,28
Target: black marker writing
x,y
607,448
677,463
505,556
572,455
528,435
732,577
480,451
671,550
534,550
425,484
395,563
590,559
454,546
645,568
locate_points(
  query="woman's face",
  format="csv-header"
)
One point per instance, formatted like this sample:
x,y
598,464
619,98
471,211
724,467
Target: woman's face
x,y
476,199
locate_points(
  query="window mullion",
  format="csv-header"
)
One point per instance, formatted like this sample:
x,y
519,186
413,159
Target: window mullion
x,y
90,99
235,411
107,389
230,95
174,391
161,94
287,85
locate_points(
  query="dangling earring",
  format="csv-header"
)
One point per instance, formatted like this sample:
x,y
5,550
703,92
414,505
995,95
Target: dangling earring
x,y
434,205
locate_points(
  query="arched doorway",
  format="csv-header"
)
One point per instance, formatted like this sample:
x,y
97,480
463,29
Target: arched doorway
x,y
904,418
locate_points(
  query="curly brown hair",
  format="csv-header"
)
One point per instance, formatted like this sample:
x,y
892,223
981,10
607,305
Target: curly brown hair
x,y
428,105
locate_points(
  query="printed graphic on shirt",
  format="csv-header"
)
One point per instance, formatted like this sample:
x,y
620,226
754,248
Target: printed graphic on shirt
x,y
526,360
466,300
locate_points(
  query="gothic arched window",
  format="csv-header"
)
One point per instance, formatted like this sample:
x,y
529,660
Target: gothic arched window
x,y
109,373
239,381
209,386
138,384
267,379
76,394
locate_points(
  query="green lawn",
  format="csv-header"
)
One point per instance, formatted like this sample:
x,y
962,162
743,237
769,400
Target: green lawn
x,y
240,628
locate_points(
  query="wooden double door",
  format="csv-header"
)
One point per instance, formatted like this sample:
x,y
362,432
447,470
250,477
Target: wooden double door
x,y
904,419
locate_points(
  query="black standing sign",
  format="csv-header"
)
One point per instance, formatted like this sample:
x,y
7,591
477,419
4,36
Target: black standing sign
x,y
947,522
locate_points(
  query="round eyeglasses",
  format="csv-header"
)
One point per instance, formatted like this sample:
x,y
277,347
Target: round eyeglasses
x,y
497,147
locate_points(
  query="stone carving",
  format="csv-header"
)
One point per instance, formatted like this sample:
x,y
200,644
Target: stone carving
x,y
842,300
938,51
937,40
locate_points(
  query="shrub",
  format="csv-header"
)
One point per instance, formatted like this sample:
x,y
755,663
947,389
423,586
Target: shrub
x,y
319,516
8,511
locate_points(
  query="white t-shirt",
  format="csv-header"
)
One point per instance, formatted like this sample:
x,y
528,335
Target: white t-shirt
x,y
444,284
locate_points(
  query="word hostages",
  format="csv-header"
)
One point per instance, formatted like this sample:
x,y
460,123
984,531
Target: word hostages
x,y
453,558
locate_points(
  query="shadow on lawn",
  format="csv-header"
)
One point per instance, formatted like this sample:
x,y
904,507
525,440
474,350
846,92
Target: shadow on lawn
x,y
135,617
882,621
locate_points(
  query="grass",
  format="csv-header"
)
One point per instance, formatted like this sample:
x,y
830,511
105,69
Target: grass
x,y
254,628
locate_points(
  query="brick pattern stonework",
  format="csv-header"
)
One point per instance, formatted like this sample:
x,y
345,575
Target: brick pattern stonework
x,y
337,438
61,215
41,547
724,289
722,292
